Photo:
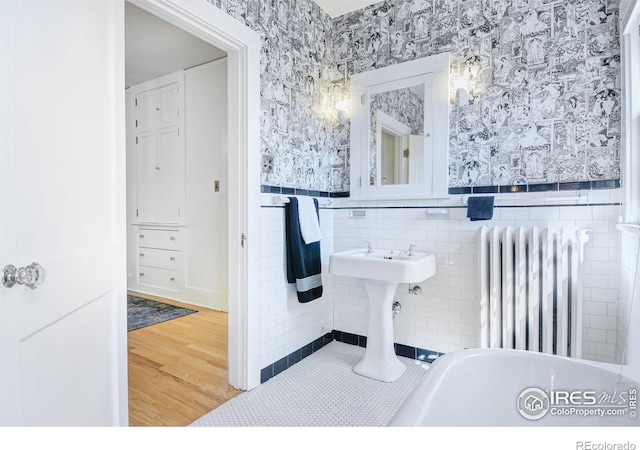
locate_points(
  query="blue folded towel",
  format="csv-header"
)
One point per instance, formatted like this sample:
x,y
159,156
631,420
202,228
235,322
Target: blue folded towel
x,y
480,208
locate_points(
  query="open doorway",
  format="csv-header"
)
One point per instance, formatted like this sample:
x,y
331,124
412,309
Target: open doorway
x,y
177,187
242,45
177,208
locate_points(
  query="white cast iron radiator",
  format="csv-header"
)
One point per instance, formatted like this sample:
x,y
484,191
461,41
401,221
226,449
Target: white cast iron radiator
x,y
530,289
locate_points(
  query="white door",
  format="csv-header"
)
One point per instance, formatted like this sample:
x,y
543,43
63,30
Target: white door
x,y
62,204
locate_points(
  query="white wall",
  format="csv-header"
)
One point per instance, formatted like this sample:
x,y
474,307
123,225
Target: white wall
x,y
203,220
445,317
206,149
288,325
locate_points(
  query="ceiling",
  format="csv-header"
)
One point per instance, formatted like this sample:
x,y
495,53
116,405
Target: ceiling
x,y
154,48
337,8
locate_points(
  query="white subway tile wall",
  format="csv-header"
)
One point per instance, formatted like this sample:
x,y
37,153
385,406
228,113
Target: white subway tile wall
x,y
286,324
445,316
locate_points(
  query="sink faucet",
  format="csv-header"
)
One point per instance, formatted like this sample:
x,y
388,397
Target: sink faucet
x,y
369,249
412,249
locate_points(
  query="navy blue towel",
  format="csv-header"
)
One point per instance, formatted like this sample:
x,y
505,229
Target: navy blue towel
x,y
303,260
480,208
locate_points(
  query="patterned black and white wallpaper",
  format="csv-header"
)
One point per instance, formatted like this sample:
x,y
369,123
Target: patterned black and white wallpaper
x,y
299,144
404,105
544,76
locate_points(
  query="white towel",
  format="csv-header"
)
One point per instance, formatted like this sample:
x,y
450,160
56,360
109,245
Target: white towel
x,y
309,224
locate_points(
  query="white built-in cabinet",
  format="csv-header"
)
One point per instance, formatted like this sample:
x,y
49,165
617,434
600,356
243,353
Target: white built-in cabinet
x,y
177,184
159,258
160,149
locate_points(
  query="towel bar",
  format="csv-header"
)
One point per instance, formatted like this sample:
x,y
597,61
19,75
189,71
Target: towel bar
x,y
532,201
277,200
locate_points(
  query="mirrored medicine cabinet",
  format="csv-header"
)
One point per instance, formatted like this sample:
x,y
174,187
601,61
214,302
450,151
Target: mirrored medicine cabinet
x,y
400,130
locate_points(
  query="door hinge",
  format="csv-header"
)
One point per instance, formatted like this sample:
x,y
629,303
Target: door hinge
x,y
406,153
243,238
363,99
136,140
360,182
136,213
136,102
136,123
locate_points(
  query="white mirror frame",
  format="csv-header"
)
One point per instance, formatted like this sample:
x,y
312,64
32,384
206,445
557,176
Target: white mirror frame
x,y
434,72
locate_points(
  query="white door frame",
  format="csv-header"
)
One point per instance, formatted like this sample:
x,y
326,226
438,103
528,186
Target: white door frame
x,y
242,45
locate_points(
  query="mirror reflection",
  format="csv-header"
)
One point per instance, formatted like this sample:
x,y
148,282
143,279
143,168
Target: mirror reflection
x,y
396,136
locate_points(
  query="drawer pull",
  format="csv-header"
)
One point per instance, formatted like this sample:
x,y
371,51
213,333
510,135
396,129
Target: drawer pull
x,y
172,238
142,236
141,255
172,259
141,274
172,279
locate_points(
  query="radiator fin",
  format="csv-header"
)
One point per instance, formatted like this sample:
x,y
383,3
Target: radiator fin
x,y
530,290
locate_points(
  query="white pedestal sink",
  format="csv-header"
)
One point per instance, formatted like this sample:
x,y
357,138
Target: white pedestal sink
x,y
381,272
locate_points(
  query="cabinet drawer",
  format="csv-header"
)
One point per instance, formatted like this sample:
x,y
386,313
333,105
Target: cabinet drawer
x,y
165,259
163,239
156,277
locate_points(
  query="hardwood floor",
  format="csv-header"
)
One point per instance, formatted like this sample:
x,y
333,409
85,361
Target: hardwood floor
x,y
178,368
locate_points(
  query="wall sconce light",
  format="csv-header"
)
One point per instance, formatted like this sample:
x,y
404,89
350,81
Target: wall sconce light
x,y
343,111
463,97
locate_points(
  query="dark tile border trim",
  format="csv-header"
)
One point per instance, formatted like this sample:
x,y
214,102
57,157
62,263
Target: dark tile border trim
x,y
542,187
550,205
348,338
295,191
513,188
400,349
484,189
292,358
